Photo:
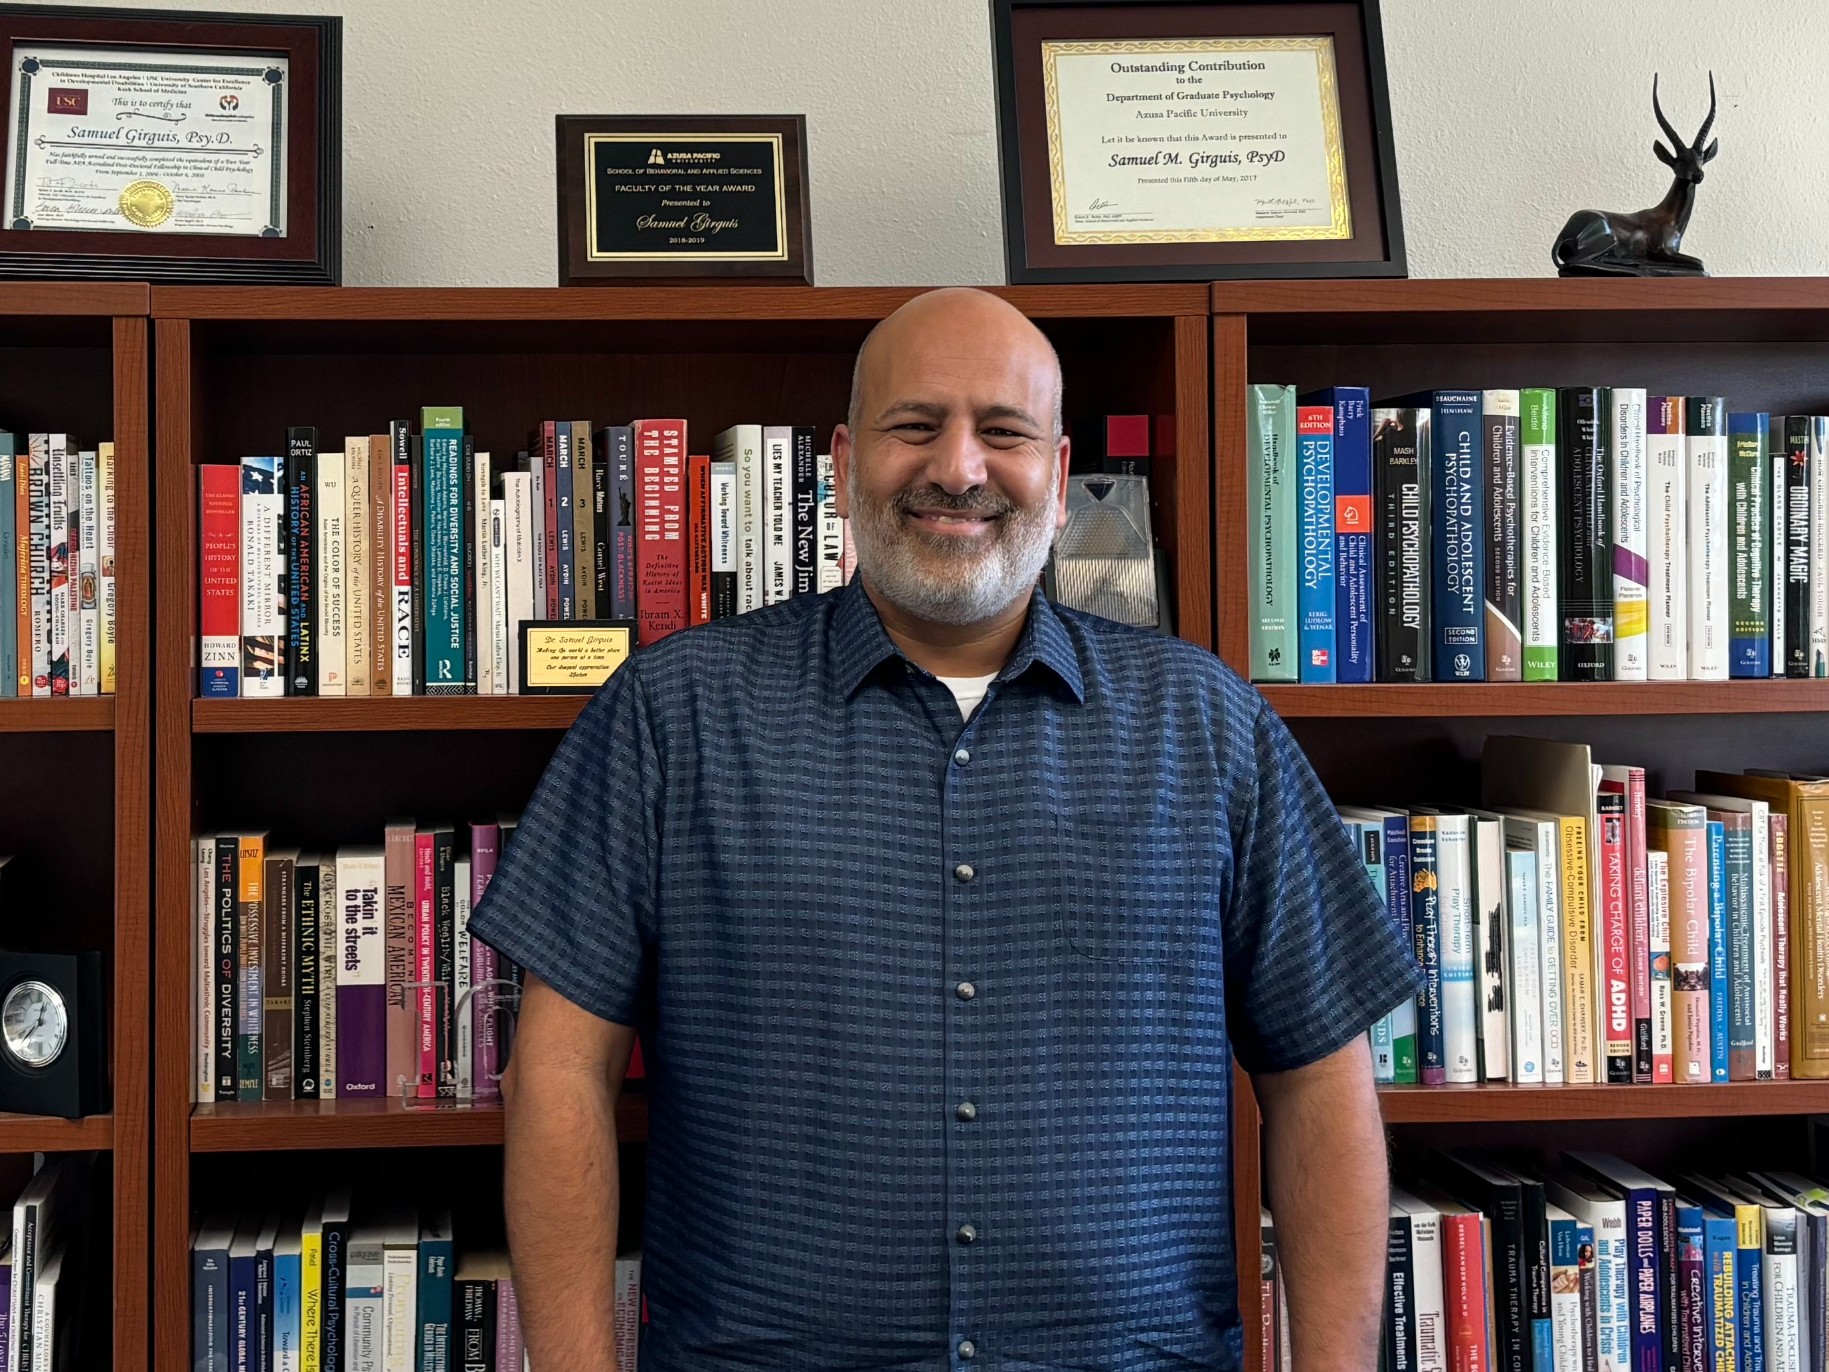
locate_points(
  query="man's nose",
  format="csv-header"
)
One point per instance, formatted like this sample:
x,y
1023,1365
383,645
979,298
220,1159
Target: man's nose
x,y
956,460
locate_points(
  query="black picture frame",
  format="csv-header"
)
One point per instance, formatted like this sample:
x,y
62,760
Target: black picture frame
x,y
1032,257
310,253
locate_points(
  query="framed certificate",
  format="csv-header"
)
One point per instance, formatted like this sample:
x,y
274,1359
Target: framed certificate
x,y
683,198
171,147
1194,140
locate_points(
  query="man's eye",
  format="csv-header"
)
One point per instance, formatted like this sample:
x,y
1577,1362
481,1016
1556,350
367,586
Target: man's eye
x,y
913,426
1005,433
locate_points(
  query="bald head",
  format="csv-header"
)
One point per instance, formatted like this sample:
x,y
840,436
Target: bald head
x,y
955,325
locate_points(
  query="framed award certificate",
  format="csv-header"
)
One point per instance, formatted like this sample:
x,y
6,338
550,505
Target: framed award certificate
x,y
155,146
1194,140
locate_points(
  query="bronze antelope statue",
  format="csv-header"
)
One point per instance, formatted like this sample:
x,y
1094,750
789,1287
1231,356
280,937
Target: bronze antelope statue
x,y
1645,243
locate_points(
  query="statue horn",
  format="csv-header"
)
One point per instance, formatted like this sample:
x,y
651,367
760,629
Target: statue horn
x,y
1702,137
1677,145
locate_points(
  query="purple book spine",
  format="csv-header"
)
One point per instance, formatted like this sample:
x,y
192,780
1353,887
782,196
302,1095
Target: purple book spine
x,y
510,1351
485,845
6,1313
361,974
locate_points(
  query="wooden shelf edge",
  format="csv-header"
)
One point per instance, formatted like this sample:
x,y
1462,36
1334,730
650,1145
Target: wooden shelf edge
x,y
1533,698
114,298
1499,1102
278,1126
46,1134
383,713
1520,295
83,714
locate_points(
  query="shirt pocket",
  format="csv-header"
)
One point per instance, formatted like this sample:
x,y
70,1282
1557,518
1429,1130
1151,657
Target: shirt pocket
x,y
1135,888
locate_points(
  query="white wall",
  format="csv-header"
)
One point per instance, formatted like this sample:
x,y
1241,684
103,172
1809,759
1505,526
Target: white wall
x,y
1508,115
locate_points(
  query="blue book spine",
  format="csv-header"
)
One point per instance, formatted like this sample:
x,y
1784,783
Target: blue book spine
x,y
1740,1017
1721,1247
263,1310
1458,539
1717,951
243,1311
1426,917
9,567
288,1312
209,1310
1750,532
1315,519
1692,1288
1397,895
1354,577
442,529
435,1313
1642,1273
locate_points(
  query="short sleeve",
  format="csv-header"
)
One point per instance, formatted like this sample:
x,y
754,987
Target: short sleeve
x,y
1312,958
573,898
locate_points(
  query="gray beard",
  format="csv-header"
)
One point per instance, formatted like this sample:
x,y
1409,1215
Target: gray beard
x,y
935,578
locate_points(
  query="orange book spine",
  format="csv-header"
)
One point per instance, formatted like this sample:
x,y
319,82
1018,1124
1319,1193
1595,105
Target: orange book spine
x,y
698,535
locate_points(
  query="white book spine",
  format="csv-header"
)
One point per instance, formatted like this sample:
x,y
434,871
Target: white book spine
x,y
1492,971
498,596
628,1311
831,529
1460,1032
261,614
1667,562
328,1079
400,1308
520,557
44,1324
87,598
105,479
358,567
1525,964
400,571
333,590
723,525
1819,546
60,564
460,973
536,508
1538,517
1565,1315
203,969
741,446
16,1289
1779,1283
777,513
1765,1004
1630,640
1708,557
364,1313
1427,1298
484,589
1663,1026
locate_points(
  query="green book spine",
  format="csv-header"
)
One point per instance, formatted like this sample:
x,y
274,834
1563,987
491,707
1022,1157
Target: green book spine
x,y
1537,438
443,532
1272,537
1749,597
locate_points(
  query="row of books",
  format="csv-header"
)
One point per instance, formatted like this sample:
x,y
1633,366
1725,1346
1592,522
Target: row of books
x,y
57,608
1574,929
1576,534
348,974
43,1258
345,1287
405,563
1499,1261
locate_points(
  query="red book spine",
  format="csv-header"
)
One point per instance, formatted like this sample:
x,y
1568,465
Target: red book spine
x,y
549,500
425,947
1464,1291
698,532
1616,957
661,600
218,584
1781,943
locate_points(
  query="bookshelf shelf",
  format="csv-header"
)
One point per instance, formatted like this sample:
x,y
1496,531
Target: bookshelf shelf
x,y
38,1134
1496,1102
1538,699
89,714
385,713
271,1126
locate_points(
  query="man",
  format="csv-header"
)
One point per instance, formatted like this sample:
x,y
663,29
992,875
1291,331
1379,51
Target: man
x,y
936,906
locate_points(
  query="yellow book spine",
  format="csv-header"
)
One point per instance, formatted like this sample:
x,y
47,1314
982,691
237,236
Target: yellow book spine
x,y
311,1300
1579,1046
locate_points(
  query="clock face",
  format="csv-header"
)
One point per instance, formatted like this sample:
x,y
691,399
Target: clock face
x,y
33,1023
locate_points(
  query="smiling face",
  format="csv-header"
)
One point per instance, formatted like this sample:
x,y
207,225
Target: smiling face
x,y
952,469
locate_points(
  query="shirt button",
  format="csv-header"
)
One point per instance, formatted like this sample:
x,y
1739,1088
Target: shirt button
x,y
965,990
964,872
966,1112
963,756
966,1234
967,1349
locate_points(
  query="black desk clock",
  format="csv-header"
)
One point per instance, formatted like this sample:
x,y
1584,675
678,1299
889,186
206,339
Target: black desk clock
x,y
52,1044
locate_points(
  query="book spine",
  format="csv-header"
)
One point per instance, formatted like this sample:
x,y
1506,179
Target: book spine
x,y
1491,939
38,561
301,557
1458,555
1657,891
1353,573
403,537
620,454
1586,536
1792,533
485,842
358,531
1692,1290
1426,921
499,649
464,1018
361,975
9,568
777,513
1775,548
1626,502
1616,988
584,521
698,539
250,912
1315,543
1779,832
1525,998
335,1296
400,910
218,582
466,570
1719,967
86,601
1638,924
203,927
444,933
305,995
806,514
1705,424
562,561
434,1323
831,529
1666,539
1504,535
1749,606
110,615
380,518
1565,1295
1642,1275
1399,1313
331,590
227,965
1271,493
1819,540
26,582
724,539
278,968
425,963
518,565
1581,1046
544,464
329,955
601,490
1464,1288
443,535
1742,997
1545,843
484,626
263,615
1397,896
660,485
741,446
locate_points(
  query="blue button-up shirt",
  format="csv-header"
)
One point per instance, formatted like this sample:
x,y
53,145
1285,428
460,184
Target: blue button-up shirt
x,y
939,1013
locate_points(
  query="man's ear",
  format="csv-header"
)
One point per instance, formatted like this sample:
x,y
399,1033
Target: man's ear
x,y
1062,459
841,470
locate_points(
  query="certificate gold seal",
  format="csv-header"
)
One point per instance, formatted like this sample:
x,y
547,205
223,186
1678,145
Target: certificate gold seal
x,y
147,203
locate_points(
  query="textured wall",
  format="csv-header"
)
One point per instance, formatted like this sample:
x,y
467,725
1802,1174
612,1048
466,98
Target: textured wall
x,y
1508,114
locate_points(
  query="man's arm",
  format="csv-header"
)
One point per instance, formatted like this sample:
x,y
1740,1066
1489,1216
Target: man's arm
x,y
1324,1154
561,1180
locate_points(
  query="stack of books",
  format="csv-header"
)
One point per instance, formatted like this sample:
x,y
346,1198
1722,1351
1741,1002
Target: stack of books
x,y
57,593
1585,533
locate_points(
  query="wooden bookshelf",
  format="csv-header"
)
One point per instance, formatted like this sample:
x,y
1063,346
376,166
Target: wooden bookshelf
x,y
74,358
235,366
1520,700
1498,1103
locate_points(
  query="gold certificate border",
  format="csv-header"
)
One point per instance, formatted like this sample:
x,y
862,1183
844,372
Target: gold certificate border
x,y
1322,47
590,175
